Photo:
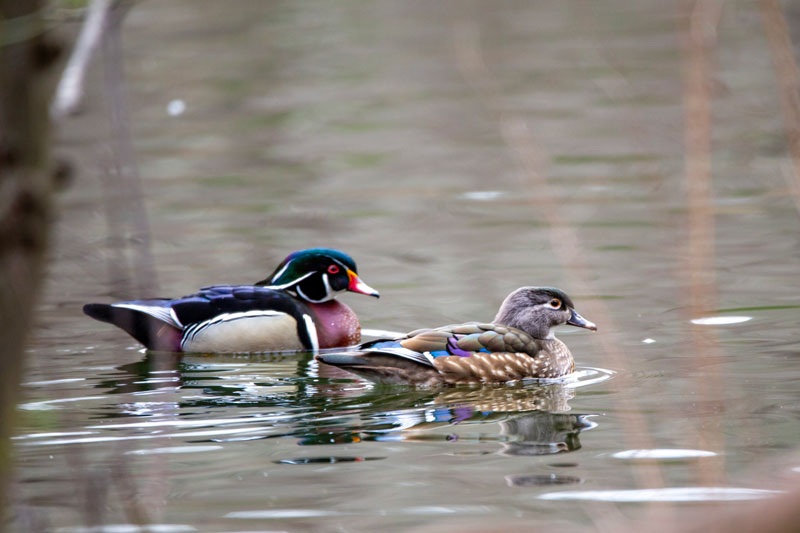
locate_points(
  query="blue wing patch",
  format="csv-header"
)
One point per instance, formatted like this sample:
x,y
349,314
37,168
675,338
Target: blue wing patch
x,y
453,349
384,344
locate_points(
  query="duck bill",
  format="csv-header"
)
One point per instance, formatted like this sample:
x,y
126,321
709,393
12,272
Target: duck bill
x,y
356,285
577,320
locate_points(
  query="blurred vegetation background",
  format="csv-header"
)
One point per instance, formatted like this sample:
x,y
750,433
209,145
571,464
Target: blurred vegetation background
x,y
643,156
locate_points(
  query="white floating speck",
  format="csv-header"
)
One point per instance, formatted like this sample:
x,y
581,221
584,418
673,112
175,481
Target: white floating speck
x,y
482,195
176,108
648,340
720,320
671,494
663,453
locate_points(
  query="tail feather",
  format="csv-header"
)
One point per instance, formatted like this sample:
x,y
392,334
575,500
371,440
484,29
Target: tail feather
x,y
343,359
383,368
155,334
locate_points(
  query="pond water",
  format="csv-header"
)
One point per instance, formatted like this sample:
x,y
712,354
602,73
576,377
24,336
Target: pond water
x,y
457,151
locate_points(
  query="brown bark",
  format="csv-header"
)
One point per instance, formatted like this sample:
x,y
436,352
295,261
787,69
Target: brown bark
x,y
26,191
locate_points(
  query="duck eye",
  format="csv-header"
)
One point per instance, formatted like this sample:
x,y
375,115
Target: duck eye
x,y
333,269
555,303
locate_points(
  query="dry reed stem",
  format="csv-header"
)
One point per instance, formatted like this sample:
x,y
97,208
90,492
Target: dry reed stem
x,y
129,230
786,72
126,171
563,238
699,280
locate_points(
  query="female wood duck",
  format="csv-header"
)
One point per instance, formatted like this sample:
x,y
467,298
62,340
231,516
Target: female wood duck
x,y
518,344
293,309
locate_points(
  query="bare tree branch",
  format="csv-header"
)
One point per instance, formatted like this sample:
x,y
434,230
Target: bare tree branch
x,y
69,94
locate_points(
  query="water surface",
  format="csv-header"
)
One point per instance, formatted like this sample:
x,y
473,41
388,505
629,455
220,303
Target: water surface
x,y
386,130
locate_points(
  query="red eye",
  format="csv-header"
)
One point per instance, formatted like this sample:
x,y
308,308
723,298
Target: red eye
x,y
333,269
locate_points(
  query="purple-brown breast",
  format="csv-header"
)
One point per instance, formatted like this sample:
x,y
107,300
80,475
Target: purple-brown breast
x,y
337,324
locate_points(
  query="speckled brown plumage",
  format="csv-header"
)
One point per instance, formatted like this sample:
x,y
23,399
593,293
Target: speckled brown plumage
x,y
551,361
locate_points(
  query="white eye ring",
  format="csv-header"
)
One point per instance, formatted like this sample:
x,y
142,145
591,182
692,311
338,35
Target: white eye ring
x,y
555,303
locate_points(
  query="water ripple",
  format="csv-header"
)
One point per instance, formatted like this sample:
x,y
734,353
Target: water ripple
x,y
175,449
720,320
672,494
663,453
129,528
48,405
282,513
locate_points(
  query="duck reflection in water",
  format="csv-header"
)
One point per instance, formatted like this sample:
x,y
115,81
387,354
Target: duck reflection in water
x,y
530,416
325,405
543,433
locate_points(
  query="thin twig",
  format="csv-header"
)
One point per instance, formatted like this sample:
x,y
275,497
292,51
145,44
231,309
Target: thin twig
x,y
70,91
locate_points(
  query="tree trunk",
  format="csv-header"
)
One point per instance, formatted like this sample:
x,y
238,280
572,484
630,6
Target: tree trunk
x,y
26,191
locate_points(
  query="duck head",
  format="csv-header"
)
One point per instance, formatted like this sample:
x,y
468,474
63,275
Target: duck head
x,y
318,275
536,310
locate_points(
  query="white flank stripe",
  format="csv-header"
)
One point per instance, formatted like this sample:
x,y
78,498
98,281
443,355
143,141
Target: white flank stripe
x,y
164,314
175,317
312,332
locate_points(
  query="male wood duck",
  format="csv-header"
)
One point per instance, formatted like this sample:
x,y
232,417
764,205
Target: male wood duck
x,y
293,309
518,344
